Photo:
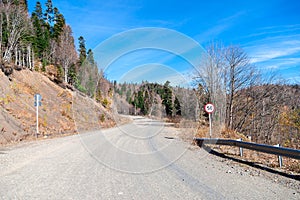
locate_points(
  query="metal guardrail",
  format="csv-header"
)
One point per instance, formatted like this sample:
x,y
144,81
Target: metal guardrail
x,y
280,151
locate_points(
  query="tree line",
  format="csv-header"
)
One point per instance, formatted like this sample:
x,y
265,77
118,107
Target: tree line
x,y
147,99
247,101
41,39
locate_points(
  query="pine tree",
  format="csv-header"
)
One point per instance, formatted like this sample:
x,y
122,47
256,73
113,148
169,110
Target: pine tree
x,y
82,68
90,57
38,10
59,24
177,107
140,101
128,96
82,50
92,73
167,99
72,75
146,102
41,41
48,15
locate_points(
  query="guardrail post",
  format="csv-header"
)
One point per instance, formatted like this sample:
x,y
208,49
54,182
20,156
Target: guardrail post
x,y
279,157
241,149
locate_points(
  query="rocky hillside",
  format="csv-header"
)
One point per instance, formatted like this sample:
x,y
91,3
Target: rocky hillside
x,y
63,111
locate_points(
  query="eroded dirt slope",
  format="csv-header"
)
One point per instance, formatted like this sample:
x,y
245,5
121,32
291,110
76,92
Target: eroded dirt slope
x,y
62,111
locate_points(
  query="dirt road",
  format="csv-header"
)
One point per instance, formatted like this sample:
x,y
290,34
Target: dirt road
x,y
142,160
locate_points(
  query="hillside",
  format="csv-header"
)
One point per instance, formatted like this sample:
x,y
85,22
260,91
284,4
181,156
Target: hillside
x,y
269,114
62,112
154,99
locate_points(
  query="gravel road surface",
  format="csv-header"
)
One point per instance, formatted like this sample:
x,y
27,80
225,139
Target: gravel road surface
x,y
142,160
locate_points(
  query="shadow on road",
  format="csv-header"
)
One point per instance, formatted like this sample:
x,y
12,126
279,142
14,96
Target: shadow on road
x,y
252,164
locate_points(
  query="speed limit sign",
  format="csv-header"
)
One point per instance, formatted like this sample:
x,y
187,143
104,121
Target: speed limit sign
x,y
209,108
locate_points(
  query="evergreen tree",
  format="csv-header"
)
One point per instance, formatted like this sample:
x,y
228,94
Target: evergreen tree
x,y
92,73
38,12
82,50
167,99
146,103
48,15
128,95
72,75
82,66
88,77
140,101
177,107
90,58
41,41
59,23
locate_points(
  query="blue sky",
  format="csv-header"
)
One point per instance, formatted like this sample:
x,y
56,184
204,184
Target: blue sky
x,y
268,30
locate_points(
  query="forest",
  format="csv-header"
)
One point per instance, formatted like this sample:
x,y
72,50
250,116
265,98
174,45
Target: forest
x,y
149,99
263,107
44,42
246,101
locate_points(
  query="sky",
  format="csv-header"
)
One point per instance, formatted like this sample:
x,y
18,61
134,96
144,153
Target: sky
x,y
268,31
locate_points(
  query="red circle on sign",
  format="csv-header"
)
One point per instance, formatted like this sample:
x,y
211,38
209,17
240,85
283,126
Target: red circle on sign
x,y
209,108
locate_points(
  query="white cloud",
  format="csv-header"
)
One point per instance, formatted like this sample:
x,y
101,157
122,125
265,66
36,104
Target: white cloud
x,y
270,49
277,50
275,31
221,26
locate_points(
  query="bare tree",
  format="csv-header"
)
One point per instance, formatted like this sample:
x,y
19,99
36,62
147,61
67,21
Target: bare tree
x,y
255,105
211,80
16,25
66,52
224,72
239,74
189,103
29,58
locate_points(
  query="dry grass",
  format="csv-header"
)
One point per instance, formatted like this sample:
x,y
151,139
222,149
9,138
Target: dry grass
x,y
61,113
289,164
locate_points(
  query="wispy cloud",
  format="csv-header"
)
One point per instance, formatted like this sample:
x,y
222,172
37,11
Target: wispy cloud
x,y
274,42
287,30
269,49
221,26
276,49
233,18
284,63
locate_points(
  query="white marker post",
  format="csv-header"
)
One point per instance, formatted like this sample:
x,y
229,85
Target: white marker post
x,y
37,103
209,108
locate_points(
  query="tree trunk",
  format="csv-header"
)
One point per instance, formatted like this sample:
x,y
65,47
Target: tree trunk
x,y
16,56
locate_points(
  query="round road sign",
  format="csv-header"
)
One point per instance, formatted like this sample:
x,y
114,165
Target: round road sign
x,y
209,108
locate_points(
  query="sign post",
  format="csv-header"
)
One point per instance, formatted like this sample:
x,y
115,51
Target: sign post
x,y
37,103
209,108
